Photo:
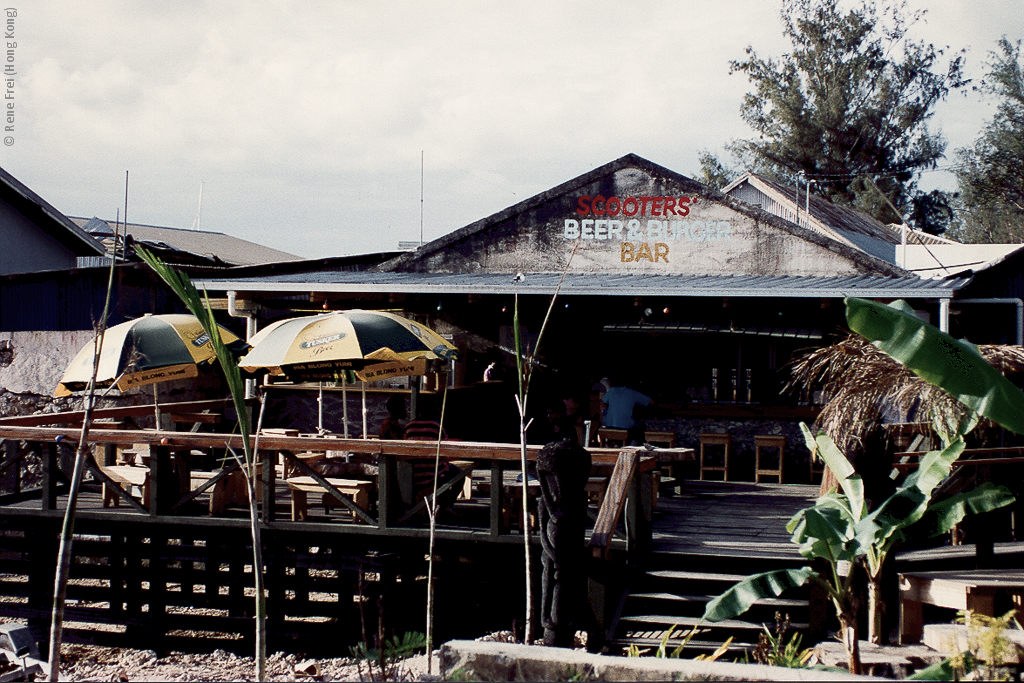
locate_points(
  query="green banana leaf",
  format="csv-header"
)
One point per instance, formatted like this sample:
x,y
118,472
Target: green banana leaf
x,y
745,593
851,483
823,531
943,516
935,356
884,525
186,291
945,670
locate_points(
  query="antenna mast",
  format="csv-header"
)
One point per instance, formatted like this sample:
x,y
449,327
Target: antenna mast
x,y
199,210
124,251
421,196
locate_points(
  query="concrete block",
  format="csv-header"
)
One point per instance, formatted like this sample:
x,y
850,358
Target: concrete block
x,y
484,661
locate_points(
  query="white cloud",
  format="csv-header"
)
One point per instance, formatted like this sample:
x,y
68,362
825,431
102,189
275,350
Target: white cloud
x,y
306,121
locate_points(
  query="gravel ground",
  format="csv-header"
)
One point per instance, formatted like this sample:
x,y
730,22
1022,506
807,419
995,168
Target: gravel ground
x,y
95,663
98,663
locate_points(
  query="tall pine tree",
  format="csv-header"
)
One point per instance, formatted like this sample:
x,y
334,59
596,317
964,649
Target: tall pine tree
x,y
991,173
850,102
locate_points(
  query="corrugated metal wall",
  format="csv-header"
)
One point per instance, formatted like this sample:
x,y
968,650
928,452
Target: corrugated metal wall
x,y
73,300
64,304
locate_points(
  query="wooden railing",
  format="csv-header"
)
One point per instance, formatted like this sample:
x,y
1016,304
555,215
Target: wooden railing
x,y
626,509
166,497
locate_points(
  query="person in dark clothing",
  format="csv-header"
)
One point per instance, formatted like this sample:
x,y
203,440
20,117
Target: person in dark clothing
x,y
391,427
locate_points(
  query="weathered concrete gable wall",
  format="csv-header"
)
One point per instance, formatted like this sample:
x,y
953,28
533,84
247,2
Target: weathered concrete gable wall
x,y
633,221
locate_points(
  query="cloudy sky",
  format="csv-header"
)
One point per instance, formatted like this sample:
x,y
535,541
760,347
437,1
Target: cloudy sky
x,y
314,127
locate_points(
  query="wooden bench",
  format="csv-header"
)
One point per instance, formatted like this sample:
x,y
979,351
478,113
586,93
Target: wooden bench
x,y
128,477
973,589
358,491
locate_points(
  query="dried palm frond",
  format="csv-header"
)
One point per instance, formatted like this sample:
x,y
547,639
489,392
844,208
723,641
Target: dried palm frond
x,y
863,386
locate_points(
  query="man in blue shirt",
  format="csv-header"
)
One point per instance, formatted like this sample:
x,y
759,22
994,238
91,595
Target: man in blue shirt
x,y
621,402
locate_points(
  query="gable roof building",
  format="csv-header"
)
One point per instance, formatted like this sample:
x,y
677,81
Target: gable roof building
x,y
38,237
187,247
633,249
915,251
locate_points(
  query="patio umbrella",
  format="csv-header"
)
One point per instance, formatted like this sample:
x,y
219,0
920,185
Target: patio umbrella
x,y
332,346
324,347
148,350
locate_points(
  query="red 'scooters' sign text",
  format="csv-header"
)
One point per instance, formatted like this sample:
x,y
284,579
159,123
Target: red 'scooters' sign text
x,y
633,206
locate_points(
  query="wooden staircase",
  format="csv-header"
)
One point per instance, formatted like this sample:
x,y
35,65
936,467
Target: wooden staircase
x,y
705,540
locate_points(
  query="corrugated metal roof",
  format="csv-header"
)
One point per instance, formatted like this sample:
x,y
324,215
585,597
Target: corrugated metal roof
x,y
230,250
600,284
860,229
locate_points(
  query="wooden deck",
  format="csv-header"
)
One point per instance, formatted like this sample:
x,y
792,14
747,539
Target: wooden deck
x,y
731,519
704,540
170,561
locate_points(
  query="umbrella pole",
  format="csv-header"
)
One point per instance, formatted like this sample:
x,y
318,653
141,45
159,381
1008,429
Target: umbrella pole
x,y
320,410
156,407
344,405
364,408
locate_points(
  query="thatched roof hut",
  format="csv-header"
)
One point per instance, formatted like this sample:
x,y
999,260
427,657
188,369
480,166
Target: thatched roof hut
x,y
863,389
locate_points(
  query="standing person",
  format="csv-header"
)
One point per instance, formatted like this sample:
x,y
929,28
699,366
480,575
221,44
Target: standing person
x,y
493,371
621,402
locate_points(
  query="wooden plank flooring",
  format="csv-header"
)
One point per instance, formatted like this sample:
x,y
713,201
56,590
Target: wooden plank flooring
x,y
736,519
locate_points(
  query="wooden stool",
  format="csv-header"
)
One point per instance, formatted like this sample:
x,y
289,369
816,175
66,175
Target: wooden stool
x,y
766,441
817,470
611,437
663,439
715,439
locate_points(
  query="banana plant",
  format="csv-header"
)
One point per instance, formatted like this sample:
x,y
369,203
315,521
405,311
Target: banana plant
x,y
843,533
839,528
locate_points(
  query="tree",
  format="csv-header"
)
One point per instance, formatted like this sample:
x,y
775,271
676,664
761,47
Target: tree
x,y
991,173
851,102
713,172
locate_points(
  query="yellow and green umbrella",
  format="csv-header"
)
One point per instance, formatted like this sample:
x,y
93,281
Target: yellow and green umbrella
x,y
344,345
330,346
148,350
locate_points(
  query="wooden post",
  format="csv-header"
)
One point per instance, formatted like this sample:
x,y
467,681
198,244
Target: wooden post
x,y
157,593
497,490
51,473
12,463
639,516
161,481
117,556
42,560
388,508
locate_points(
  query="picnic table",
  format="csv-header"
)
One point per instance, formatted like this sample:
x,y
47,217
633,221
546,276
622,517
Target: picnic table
x,y
974,589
